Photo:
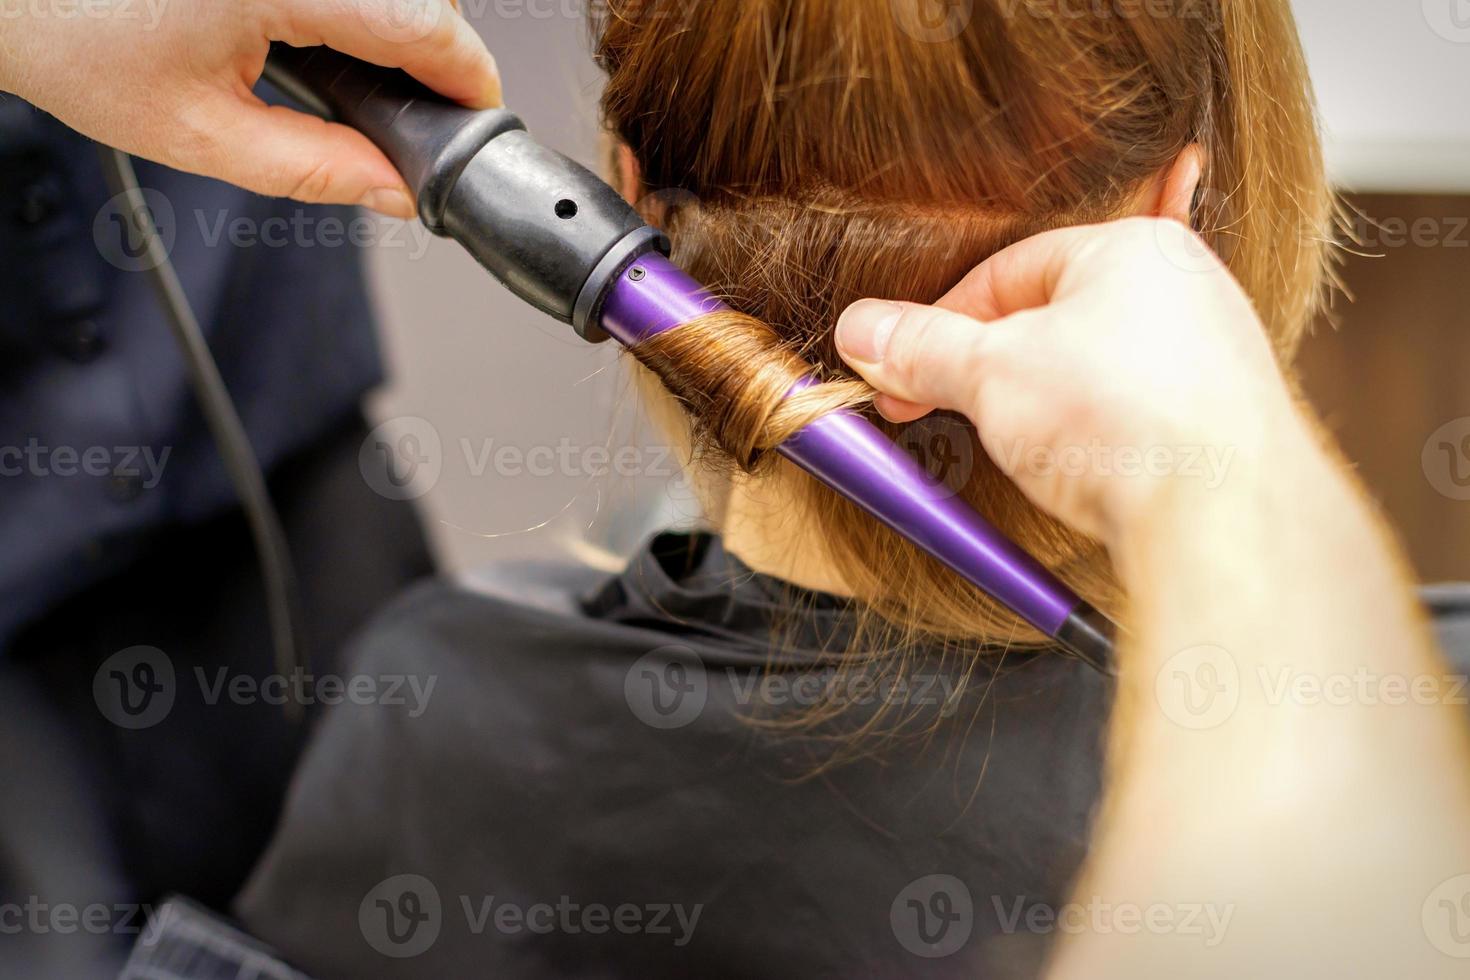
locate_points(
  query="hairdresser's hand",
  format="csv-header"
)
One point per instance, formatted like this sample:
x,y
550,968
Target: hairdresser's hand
x,y
1094,362
170,80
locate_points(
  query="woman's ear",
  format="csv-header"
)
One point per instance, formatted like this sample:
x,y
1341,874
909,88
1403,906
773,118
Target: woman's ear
x,y
628,176
1176,187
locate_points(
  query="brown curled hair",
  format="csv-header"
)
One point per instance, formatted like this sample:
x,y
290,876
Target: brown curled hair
x,y
803,154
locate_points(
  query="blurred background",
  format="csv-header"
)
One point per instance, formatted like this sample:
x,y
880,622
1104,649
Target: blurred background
x,y
527,436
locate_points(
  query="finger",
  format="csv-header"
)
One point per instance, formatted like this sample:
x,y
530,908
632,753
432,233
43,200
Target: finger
x,y
279,152
922,355
426,38
898,410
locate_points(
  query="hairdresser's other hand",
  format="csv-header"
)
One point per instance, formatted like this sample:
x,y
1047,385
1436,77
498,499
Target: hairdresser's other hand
x,y
1101,365
170,80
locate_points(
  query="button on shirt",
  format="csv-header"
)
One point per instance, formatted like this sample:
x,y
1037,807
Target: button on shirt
x,y
101,439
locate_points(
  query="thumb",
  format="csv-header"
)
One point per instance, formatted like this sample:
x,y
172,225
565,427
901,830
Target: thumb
x,y
279,152
918,354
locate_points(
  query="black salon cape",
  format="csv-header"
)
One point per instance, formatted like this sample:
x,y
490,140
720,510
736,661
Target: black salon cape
x,y
529,822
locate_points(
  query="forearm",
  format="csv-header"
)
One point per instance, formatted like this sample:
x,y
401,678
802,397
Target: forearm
x,y
1284,744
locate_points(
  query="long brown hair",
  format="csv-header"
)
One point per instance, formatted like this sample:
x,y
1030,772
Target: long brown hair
x,y
803,154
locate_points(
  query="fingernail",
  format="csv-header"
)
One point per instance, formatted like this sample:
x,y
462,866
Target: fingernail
x,y
864,328
392,201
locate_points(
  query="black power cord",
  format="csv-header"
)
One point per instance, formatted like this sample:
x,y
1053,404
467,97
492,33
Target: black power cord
x,y
283,605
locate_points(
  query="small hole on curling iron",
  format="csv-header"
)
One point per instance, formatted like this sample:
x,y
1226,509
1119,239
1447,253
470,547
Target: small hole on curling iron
x,y
636,273
566,208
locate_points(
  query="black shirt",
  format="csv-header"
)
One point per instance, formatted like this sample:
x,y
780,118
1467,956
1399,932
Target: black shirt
x,y
102,444
602,781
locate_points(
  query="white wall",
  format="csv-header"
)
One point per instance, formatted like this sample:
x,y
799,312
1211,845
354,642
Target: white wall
x,y
1393,81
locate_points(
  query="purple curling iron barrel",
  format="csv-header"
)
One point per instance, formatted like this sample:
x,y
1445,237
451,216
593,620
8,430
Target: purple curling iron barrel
x,y
568,244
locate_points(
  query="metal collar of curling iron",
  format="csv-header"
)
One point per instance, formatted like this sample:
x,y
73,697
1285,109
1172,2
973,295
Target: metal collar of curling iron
x,y
587,313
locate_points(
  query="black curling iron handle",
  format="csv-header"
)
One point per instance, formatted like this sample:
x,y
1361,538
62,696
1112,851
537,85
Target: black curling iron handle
x,y
428,138
554,233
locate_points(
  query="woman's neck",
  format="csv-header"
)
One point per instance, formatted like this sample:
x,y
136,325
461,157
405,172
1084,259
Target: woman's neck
x,y
763,530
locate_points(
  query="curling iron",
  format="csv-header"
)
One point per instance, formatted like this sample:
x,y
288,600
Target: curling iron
x,y
564,241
